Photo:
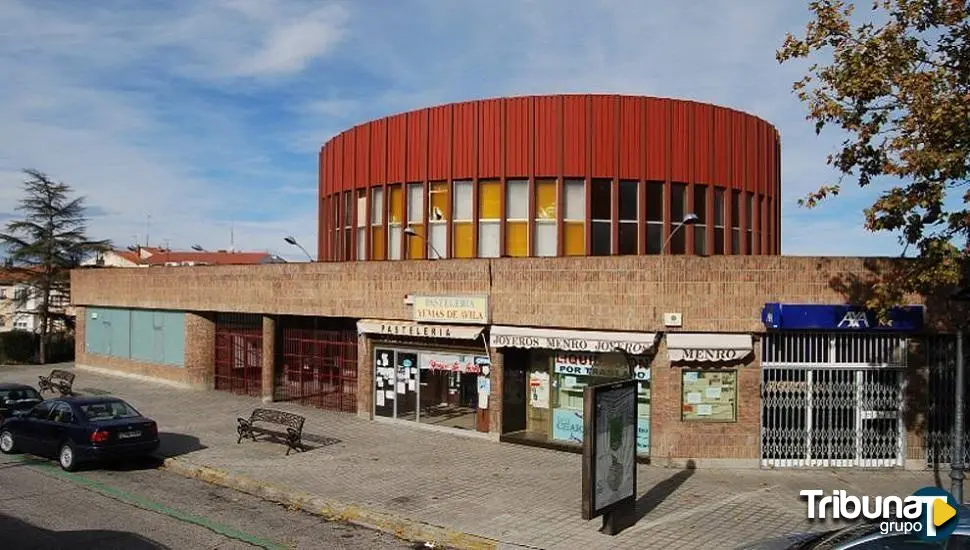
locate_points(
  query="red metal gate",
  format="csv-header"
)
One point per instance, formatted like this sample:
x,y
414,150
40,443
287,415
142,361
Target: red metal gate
x,y
318,363
239,353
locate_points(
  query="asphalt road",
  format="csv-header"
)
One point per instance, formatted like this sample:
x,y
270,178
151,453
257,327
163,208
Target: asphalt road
x,y
138,507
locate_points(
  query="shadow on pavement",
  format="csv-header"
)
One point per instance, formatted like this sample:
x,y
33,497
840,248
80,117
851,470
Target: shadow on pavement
x,y
171,445
24,536
656,495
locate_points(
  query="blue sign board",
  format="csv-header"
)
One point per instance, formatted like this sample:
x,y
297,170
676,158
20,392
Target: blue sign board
x,y
840,317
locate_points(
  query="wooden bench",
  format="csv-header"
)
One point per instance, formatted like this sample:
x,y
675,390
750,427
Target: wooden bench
x,y
293,436
59,380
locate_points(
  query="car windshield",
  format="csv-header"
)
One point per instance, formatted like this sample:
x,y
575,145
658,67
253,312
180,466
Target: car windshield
x,y
108,410
19,395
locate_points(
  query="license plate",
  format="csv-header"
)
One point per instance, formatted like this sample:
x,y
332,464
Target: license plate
x,y
128,435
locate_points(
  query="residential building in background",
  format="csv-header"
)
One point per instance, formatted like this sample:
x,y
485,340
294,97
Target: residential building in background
x,y
155,257
19,303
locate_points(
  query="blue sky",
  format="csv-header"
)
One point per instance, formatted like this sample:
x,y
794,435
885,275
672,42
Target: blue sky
x,y
208,115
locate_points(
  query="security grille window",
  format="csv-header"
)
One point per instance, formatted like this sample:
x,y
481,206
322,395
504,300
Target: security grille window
x,y
439,210
545,217
463,228
377,240
361,224
655,216
395,221
517,218
718,221
735,222
601,215
489,218
700,228
628,231
415,245
574,217
348,227
678,209
749,225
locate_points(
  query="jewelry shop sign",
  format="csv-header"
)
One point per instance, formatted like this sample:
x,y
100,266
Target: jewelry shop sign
x,y
470,309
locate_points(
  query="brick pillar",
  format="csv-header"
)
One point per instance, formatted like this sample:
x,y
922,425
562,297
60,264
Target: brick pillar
x,y
80,338
497,380
200,349
269,357
365,377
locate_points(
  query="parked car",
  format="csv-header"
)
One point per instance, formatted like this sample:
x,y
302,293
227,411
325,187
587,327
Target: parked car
x,y
17,397
80,429
867,536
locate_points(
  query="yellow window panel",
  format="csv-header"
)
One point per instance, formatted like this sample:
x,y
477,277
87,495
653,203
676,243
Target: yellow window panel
x,y
574,243
464,240
517,239
545,208
416,245
395,213
439,201
490,200
377,243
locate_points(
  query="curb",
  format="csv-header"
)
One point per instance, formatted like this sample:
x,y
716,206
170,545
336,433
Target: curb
x,y
402,528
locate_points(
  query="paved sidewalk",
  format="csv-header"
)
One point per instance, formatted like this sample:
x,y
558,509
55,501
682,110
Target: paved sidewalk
x,y
515,495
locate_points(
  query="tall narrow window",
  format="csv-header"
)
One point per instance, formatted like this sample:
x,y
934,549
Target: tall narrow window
x,y
517,218
395,220
415,244
361,224
718,221
574,218
700,228
377,240
655,216
759,236
439,211
678,209
629,206
601,215
462,226
335,247
749,223
735,222
489,218
348,225
545,217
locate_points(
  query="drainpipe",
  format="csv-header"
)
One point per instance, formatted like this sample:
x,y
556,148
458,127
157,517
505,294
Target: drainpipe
x,y
956,462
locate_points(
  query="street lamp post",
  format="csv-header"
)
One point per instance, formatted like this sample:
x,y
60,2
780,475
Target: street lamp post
x,y
290,240
689,219
957,462
410,232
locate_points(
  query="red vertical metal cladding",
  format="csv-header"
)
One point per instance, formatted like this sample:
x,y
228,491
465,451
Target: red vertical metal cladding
x,y
604,110
517,137
417,148
656,139
702,136
362,156
722,153
574,133
339,159
439,143
350,144
396,143
679,142
489,138
547,139
463,140
751,164
632,138
378,151
738,148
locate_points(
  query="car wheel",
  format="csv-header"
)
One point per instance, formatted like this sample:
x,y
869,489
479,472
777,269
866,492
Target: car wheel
x,y
67,458
7,444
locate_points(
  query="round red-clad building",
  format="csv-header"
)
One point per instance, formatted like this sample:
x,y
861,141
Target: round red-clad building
x,y
565,175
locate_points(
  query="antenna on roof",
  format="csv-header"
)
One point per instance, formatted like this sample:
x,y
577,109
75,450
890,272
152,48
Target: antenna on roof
x,y
232,236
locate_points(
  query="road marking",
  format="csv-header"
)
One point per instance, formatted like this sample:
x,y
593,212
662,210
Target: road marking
x,y
114,493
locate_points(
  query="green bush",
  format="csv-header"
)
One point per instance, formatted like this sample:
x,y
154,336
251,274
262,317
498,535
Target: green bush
x,y
19,347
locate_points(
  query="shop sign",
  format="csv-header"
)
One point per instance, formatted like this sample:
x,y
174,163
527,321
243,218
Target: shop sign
x,y
571,340
589,364
453,363
840,317
471,309
714,354
708,347
405,328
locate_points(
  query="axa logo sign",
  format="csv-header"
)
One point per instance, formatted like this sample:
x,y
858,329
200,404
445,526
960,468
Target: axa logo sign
x,y
930,513
860,319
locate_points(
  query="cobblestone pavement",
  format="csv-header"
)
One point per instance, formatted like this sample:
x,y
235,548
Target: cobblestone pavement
x,y
521,496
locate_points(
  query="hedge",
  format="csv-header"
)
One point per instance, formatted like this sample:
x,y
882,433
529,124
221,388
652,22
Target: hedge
x,y
21,347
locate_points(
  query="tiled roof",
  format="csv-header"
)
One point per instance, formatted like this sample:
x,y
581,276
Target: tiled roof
x,y
210,258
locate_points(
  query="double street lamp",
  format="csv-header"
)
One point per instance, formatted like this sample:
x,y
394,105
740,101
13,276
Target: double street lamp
x,y
410,232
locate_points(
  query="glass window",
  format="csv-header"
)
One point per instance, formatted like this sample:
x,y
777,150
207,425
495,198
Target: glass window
x,y
574,217
629,199
735,222
348,225
601,215
545,217
439,210
489,218
361,224
462,227
678,209
415,245
517,218
377,241
63,414
108,410
41,411
700,228
718,221
709,395
655,216
395,221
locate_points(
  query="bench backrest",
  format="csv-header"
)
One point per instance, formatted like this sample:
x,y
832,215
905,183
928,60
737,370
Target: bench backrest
x,y
294,421
64,375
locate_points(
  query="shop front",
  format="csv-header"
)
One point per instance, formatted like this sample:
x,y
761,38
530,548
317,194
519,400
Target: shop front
x,y
430,374
707,365
547,370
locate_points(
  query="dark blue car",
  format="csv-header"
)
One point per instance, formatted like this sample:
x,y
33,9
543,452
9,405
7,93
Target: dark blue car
x,y
80,429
